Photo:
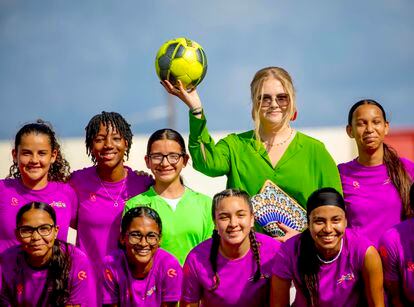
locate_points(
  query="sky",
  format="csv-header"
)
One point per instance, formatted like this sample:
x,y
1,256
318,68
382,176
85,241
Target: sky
x,y
65,61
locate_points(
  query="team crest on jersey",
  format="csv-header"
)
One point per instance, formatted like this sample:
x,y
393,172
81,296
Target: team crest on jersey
x,y
355,184
108,275
82,275
14,201
151,291
345,277
171,273
383,251
410,266
57,204
262,276
92,197
19,289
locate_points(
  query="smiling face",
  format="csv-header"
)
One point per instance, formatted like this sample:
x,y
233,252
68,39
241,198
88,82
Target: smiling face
x,y
34,156
233,220
274,114
327,226
108,147
139,251
368,127
37,247
165,171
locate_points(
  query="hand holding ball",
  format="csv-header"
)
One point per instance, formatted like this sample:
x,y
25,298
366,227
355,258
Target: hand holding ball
x,y
181,59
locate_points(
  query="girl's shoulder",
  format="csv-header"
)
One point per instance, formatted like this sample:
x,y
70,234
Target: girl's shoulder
x,y
409,166
83,173
190,193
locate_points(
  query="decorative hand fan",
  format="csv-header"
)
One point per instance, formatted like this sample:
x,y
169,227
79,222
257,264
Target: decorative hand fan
x,y
273,205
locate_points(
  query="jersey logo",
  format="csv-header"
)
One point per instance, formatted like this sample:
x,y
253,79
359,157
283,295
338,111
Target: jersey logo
x,y
171,273
355,184
82,275
92,197
19,289
410,266
387,181
108,275
14,201
383,251
345,277
57,204
151,291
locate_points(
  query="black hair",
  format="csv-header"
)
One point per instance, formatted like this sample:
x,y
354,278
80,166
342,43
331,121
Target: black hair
x,y
60,169
107,119
141,211
166,134
254,245
412,197
308,262
60,263
395,168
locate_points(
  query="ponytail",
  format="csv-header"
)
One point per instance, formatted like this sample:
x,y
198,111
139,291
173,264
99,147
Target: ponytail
x,y
213,258
308,266
254,245
400,178
58,274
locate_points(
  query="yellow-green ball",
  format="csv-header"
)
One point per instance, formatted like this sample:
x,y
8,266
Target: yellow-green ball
x,y
181,59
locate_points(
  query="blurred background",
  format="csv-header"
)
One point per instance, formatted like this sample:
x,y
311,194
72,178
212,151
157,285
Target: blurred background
x,y
65,61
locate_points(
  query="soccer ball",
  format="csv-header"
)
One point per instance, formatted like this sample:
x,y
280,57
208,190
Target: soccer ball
x,y
181,59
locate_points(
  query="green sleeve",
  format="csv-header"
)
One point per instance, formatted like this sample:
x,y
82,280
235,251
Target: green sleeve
x,y
209,158
329,171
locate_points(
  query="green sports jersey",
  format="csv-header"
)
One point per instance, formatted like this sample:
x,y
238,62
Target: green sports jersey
x,y
305,166
183,228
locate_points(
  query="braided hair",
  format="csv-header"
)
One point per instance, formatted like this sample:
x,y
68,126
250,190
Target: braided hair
x,y
60,169
395,168
254,245
107,119
59,265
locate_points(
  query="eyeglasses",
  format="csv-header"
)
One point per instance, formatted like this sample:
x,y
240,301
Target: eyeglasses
x,y
27,231
172,157
282,100
135,237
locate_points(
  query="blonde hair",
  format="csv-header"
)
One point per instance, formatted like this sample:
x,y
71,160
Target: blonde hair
x,y
256,90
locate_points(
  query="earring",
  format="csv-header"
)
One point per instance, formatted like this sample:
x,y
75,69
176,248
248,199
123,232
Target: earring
x,y
294,116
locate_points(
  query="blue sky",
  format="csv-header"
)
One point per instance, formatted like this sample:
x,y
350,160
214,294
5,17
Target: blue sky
x,y
65,61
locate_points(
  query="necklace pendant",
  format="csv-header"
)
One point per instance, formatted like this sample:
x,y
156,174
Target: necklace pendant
x,y
116,204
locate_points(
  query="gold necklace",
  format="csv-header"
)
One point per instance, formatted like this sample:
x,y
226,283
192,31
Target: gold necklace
x,y
281,143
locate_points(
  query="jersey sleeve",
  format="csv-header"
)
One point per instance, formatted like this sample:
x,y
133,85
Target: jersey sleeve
x,y
390,256
73,207
209,158
172,281
191,290
110,288
284,260
82,284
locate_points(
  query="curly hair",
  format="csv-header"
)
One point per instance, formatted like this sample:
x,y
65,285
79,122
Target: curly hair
x,y
60,169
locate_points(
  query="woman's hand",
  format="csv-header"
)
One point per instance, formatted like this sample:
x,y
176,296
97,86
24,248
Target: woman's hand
x,y
191,99
289,232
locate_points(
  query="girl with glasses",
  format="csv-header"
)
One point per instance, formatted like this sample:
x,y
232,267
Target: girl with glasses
x,y
185,213
141,273
233,268
39,173
103,188
329,264
273,150
376,184
42,270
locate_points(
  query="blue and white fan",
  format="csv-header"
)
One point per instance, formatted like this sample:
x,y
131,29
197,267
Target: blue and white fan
x,y
273,205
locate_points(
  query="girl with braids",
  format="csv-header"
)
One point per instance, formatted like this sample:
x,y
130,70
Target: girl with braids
x,y
42,270
39,173
233,268
185,214
103,188
273,150
377,182
397,254
328,264
141,273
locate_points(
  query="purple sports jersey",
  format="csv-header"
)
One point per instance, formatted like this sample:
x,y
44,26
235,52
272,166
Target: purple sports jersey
x,y
397,254
13,195
368,192
26,286
236,287
340,282
162,284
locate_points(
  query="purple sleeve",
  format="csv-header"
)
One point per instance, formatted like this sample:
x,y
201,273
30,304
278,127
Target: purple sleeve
x,y
110,289
389,253
191,291
409,166
171,288
283,260
82,285
74,207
